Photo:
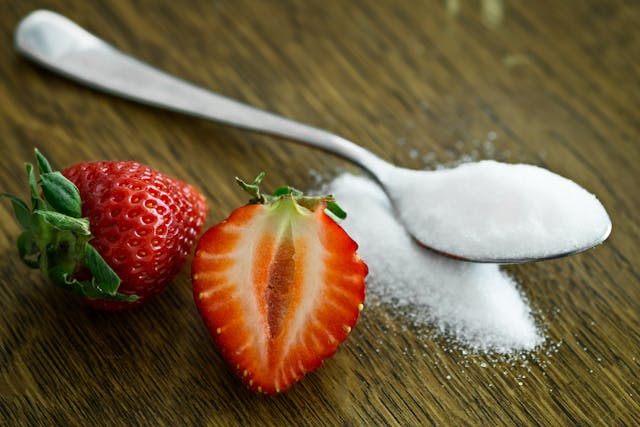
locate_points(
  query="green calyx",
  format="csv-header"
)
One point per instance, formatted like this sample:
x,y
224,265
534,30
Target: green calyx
x,y
55,237
310,202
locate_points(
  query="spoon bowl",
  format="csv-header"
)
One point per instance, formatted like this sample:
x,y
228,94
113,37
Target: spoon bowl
x,y
495,212
55,42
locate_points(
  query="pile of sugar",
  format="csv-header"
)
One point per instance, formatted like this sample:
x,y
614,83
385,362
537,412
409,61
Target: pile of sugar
x,y
492,210
477,304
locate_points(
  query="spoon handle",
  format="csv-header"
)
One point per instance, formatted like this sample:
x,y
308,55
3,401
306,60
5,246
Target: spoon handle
x,y
59,44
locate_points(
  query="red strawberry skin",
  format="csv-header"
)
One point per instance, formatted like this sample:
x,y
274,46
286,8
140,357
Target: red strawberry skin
x,y
144,224
279,287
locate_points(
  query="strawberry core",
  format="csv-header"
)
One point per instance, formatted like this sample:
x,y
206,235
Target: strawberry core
x,y
279,281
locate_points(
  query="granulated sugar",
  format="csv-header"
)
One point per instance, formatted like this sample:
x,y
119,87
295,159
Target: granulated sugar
x,y
492,210
477,304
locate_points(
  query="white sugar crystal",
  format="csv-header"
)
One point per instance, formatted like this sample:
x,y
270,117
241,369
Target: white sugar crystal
x,y
476,303
492,210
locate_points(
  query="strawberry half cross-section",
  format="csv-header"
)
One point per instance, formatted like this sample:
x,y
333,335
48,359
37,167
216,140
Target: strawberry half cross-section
x,y
279,285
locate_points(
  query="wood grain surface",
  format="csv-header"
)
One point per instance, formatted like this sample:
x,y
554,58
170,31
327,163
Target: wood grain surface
x,y
417,82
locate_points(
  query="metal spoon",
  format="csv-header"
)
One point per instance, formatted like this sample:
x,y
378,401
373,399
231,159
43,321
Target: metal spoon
x,y
59,44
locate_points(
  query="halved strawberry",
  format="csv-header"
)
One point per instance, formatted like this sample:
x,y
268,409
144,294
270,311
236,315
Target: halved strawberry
x,y
279,285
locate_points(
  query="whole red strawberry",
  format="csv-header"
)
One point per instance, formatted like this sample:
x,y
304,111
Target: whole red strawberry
x,y
279,285
113,233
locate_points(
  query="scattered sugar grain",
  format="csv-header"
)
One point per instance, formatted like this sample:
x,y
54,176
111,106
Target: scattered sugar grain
x,y
478,304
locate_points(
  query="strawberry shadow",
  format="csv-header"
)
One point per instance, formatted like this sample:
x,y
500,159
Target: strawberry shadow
x,y
66,362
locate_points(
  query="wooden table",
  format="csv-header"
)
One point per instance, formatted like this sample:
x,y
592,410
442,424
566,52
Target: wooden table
x,y
418,83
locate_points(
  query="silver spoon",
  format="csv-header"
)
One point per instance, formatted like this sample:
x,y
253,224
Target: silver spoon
x,y
59,44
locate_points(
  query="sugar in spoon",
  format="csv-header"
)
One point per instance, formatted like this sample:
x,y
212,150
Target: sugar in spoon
x,y
482,212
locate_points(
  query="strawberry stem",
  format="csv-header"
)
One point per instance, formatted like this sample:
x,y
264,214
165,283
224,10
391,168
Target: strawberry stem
x,y
56,237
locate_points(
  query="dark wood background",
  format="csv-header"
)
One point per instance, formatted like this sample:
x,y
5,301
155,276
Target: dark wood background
x,y
417,82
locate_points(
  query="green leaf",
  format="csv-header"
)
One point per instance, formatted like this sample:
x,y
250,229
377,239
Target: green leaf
x,y
60,221
253,189
59,277
85,288
282,191
21,210
285,190
336,210
61,194
28,250
36,200
103,275
43,163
